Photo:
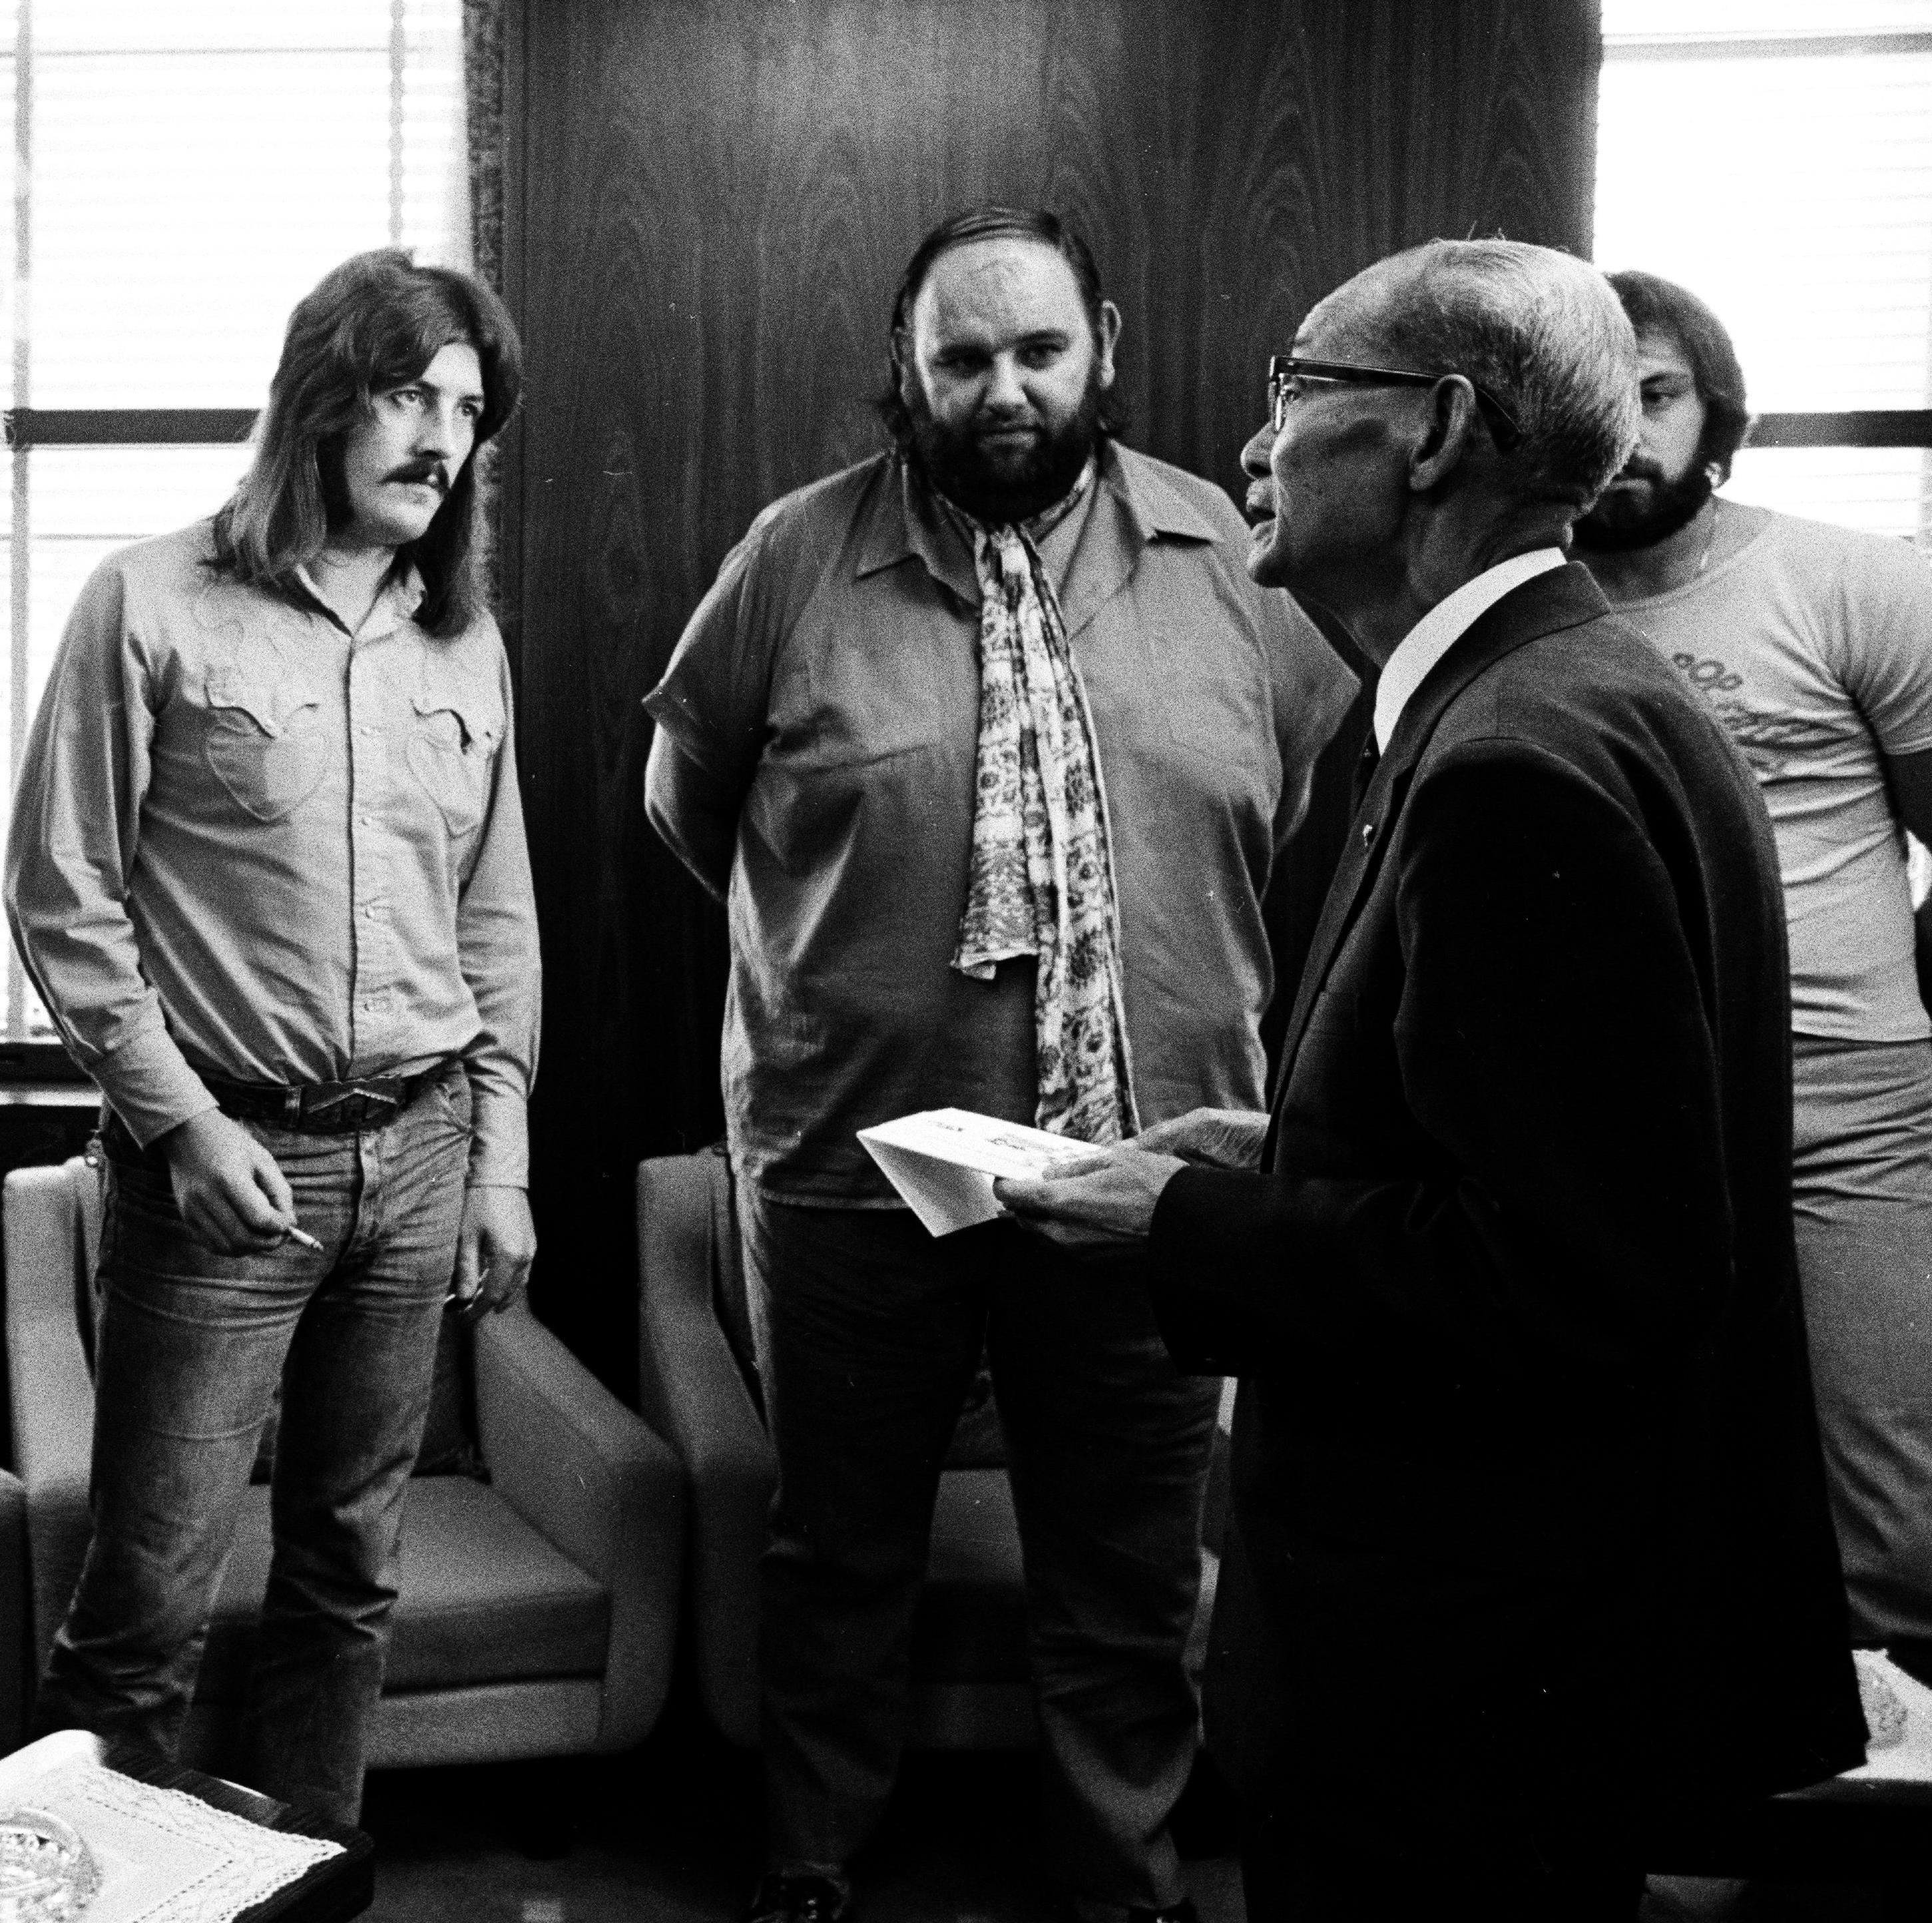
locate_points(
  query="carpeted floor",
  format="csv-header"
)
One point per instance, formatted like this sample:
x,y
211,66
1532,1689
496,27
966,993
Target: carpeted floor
x,y
670,1834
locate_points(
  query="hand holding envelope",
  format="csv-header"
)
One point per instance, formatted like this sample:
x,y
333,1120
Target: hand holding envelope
x,y
954,1168
1104,1205
943,1162
1107,1203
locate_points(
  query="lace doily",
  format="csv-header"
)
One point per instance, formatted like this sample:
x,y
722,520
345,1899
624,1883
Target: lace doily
x,y
166,1857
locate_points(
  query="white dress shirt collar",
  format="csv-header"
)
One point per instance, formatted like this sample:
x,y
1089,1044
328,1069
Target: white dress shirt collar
x,y
1445,624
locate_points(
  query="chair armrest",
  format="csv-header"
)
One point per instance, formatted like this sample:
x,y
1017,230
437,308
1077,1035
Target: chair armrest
x,y
51,1394
690,1388
16,1643
584,1472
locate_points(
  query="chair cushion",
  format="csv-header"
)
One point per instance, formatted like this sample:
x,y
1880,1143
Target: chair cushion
x,y
971,1625
484,1598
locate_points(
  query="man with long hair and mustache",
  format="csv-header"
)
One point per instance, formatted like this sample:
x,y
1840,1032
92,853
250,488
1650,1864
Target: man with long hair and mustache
x,y
989,744
1812,645
267,870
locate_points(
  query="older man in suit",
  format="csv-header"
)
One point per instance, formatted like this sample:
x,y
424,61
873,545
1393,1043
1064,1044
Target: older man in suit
x,y
1530,1524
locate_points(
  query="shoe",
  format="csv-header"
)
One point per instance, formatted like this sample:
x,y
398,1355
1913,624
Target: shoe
x,y
805,1900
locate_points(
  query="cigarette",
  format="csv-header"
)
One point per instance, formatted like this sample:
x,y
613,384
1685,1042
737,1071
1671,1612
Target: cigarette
x,y
307,1241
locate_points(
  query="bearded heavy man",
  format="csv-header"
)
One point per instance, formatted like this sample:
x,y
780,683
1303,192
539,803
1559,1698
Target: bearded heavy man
x,y
989,744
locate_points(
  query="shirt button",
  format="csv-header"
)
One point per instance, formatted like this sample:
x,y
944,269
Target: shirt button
x,y
367,821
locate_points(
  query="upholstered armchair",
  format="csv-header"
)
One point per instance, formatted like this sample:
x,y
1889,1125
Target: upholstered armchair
x,y
15,1642
539,1594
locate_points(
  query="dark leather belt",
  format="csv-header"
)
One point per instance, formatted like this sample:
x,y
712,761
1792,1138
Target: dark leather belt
x,y
322,1108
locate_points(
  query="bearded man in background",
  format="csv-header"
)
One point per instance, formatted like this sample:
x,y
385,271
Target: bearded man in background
x,y
1809,644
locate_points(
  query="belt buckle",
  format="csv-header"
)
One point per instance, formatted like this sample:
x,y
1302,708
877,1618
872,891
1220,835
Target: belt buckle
x,y
370,1104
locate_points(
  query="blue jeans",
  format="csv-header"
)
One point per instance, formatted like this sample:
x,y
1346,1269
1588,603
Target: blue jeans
x,y
191,1347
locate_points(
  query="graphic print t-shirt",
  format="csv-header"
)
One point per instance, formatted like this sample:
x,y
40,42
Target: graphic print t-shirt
x,y
1813,647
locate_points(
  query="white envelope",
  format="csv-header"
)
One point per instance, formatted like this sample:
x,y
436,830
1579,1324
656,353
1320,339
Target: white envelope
x,y
944,1161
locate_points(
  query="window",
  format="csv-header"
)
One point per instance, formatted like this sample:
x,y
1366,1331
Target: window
x,y
1777,159
177,176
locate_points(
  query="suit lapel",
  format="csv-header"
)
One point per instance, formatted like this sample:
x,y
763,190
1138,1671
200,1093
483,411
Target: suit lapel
x,y
1564,598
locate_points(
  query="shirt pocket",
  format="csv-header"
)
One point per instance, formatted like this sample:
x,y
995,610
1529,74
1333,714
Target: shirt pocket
x,y
263,744
453,736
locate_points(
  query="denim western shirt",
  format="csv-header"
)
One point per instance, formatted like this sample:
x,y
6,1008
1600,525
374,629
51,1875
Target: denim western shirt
x,y
830,682
247,844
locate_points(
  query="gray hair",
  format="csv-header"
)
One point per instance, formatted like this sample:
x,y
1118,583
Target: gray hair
x,y
1541,331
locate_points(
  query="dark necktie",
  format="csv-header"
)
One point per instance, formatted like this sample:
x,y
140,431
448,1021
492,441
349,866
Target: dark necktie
x,y
1365,772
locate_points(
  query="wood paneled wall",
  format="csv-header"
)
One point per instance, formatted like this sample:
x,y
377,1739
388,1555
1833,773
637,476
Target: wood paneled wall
x,y
707,207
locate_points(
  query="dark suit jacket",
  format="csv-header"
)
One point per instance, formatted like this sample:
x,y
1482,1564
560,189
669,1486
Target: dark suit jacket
x,y
1524,1397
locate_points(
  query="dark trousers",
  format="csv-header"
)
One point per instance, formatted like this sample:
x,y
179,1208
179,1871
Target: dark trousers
x,y
191,1348
1411,1745
873,1330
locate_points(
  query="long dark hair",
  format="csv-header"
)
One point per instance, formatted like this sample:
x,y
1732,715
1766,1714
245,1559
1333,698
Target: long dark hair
x,y
994,223
375,322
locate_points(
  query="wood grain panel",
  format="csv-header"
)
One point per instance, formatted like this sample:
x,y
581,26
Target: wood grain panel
x,y
707,210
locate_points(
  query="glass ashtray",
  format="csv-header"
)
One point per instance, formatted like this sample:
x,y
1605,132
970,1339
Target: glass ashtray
x,y
46,1873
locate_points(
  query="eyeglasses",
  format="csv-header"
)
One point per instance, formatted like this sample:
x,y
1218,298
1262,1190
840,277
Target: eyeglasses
x,y
1288,373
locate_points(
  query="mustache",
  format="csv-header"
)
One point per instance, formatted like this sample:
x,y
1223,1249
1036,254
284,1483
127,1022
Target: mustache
x,y
1639,468
432,471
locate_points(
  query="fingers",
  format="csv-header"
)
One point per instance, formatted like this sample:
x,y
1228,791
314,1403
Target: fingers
x,y
260,1204
270,1182
466,1283
216,1219
1063,1168
497,1228
237,1211
1214,1137
508,1275
1017,1195
1168,1136
1046,1209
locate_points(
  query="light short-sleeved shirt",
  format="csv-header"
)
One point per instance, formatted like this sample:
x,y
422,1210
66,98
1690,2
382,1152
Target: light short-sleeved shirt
x,y
829,683
1813,646
247,845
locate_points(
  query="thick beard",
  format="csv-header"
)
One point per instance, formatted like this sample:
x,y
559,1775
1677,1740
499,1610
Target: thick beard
x,y
1618,524
952,461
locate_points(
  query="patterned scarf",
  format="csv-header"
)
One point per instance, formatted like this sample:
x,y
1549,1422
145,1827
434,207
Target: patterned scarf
x,y
1042,879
